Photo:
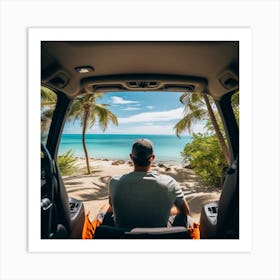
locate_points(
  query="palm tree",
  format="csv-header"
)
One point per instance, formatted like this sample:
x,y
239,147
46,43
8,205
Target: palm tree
x,y
48,97
85,109
195,111
48,102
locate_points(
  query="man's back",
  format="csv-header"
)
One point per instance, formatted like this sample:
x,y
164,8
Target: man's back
x,y
143,199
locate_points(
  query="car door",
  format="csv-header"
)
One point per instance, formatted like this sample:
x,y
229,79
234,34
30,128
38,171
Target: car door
x,y
220,219
61,216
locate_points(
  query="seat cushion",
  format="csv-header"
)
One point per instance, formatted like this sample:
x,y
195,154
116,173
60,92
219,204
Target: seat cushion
x,y
109,232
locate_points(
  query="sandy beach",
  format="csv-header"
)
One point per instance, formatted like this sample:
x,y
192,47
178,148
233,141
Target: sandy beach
x,y
93,191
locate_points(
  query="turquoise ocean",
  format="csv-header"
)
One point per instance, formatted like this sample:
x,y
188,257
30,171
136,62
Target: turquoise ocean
x,y
167,148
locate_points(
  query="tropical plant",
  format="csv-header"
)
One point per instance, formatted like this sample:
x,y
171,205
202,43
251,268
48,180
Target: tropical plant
x,y
205,156
48,97
88,112
235,105
48,102
197,108
66,163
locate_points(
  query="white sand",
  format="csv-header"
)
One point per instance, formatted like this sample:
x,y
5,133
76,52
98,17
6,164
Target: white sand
x,y
93,191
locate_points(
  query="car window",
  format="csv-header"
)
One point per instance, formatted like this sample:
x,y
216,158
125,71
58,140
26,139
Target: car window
x,y
235,105
48,102
188,147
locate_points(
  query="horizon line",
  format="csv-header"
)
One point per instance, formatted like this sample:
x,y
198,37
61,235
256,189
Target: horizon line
x,y
123,134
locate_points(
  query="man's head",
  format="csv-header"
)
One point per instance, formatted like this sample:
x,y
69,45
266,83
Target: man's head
x,y
142,152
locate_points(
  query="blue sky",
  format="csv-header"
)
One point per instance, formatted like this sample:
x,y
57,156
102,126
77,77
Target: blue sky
x,y
139,113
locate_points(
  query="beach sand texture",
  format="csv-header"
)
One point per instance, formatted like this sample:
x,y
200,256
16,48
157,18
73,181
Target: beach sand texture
x,y
92,189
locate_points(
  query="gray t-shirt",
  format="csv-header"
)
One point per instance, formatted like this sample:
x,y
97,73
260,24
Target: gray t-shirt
x,y
143,199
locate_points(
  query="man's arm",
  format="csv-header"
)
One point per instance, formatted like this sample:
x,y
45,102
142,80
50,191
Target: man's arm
x,y
110,208
181,209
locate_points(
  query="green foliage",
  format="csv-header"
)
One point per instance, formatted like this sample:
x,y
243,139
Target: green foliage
x,y
235,105
195,111
96,112
206,157
66,163
48,97
210,128
48,102
204,153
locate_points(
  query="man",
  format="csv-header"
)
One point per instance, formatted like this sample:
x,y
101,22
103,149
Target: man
x,y
145,198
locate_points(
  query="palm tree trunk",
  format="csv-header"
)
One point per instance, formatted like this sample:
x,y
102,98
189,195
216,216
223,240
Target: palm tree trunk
x,y
217,129
83,138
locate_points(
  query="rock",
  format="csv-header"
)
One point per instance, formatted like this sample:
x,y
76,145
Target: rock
x,y
161,165
118,162
167,169
130,163
188,166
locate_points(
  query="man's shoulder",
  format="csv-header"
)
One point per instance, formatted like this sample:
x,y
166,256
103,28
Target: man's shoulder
x,y
115,178
164,178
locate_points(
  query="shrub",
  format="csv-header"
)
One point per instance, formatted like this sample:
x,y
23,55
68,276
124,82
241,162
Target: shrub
x,y
66,163
205,156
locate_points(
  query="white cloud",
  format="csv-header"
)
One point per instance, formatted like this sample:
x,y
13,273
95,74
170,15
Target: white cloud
x,y
164,116
142,128
152,129
150,107
130,109
120,100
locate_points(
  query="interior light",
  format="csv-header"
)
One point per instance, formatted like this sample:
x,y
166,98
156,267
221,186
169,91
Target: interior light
x,y
84,69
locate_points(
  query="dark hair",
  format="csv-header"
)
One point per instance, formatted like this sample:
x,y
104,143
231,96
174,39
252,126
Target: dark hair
x,y
142,151
141,162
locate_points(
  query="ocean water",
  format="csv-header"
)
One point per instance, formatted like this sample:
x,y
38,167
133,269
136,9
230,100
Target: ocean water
x,y
167,148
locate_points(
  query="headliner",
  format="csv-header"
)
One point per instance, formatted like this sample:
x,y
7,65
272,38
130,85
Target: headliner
x,y
211,67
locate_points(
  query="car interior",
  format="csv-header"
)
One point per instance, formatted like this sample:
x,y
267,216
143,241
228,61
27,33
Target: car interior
x,y
71,68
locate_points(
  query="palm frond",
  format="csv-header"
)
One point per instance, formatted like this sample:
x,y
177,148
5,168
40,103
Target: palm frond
x,y
76,110
194,111
96,112
104,116
47,95
183,125
199,114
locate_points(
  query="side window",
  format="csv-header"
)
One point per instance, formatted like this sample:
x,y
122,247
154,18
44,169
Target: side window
x,y
235,105
48,102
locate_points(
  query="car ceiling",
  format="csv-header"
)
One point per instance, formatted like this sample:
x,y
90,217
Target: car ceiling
x,y
206,67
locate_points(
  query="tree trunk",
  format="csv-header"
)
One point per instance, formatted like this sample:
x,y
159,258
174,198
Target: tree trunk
x,y
217,130
83,138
